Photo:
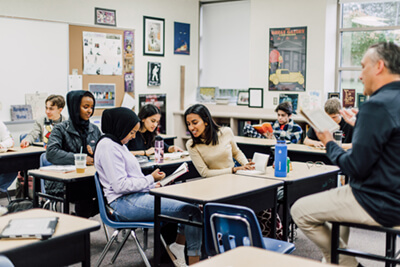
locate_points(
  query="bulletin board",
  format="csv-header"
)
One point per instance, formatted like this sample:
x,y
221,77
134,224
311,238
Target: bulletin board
x,y
76,62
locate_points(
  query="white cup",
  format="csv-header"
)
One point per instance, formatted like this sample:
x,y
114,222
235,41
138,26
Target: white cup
x,y
80,162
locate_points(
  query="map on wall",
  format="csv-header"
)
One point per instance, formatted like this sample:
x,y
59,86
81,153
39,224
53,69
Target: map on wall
x,y
102,53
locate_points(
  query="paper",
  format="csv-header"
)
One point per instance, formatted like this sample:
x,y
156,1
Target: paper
x,y
37,102
74,82
260,164
180,171
59,168
319,120
128,101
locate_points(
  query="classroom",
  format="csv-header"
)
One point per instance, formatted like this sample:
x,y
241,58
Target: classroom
x,y
261,98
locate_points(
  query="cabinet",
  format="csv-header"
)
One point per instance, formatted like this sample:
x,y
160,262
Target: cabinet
x,y
232,116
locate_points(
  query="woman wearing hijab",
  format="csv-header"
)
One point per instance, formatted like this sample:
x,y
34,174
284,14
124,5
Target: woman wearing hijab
x,y
127,188
69,137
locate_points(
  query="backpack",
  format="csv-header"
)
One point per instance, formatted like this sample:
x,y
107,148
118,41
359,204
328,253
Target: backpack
x,y
19,205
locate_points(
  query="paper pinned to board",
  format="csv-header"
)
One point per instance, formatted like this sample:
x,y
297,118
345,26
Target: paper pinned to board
x,y
74,82
128,101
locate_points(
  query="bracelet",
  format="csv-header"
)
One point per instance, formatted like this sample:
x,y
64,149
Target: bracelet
x,y
144,151
233,170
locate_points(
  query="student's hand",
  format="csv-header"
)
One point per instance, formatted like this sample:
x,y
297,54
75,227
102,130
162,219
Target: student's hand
x,y
150,151
269,135
89,160
318,144
349,116
157,175
173,149
89,150
251,165
157,185
24,143
325,136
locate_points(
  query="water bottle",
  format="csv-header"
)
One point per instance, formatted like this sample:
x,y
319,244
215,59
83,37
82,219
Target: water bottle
x,y
159,149
280,158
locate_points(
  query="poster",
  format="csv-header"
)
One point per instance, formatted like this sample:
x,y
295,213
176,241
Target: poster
x,y
102,53
287,59
206,94
154,74
334,94
37,103
104,93
361,99
181,38
292,98
349,98
159,100
129,85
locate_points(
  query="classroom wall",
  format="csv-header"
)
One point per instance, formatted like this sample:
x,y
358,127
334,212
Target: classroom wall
x,y
320,18
130,16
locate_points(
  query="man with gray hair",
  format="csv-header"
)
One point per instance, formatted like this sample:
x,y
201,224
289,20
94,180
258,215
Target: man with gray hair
x,y
373,164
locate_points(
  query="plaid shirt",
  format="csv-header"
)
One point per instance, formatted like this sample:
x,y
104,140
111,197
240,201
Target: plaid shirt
x,y
291,131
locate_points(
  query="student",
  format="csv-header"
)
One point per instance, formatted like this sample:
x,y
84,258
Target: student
x,y
212,149
284,127
72,136
373,195
43,126
6,141
143,145
332,108
127,188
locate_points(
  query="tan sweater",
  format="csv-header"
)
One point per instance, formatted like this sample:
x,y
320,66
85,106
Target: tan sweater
x,y
215,160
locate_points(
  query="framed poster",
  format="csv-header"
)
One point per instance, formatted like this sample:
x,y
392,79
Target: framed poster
x,y
349,98
104,16
334,94
181,38
159,100
104,93
206,94
361,99
153,36
292,98
243,98
256,97
287,59
154,74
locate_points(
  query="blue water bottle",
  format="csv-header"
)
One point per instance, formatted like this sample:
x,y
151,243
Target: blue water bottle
x,y
280,158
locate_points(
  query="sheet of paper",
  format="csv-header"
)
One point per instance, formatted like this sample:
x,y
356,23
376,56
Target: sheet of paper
x,y
128,101
74,82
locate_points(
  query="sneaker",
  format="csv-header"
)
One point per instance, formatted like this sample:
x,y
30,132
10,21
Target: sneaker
x,y
178,262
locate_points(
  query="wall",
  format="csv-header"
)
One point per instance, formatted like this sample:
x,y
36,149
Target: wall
x,y
130,16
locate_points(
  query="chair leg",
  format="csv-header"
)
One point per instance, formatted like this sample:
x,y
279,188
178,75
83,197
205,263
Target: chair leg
x,y
144,257
107,247
145,238
106,232
121,244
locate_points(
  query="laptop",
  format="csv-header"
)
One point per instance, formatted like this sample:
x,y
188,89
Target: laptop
x,y
40,228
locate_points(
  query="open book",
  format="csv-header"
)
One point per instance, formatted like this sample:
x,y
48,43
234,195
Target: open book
x,y
263,128
319,120
260,163
59,168
178,172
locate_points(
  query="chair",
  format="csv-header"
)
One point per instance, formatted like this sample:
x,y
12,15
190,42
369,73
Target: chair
x,y
51,204
229,226
390,257
128,227
6,179
5,262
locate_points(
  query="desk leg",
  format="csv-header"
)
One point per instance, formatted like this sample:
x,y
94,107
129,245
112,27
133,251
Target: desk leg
x,y
26,184
66,200
157,231
273,218
36,188
86,261
286,215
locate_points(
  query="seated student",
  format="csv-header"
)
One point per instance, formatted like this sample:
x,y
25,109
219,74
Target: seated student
x,y
127,188
143,145
212,148
72,136
43,126
6,141
284,127
332,108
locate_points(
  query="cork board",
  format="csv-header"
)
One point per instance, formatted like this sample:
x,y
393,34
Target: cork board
x,y
76,62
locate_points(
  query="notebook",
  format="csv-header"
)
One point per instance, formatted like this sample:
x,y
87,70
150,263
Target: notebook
x,y
41,228
260,165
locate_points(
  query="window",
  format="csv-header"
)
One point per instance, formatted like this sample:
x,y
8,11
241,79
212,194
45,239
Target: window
x,y
363,23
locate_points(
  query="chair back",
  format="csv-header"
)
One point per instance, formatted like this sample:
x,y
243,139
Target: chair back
x,y
43,160
102,201
229,226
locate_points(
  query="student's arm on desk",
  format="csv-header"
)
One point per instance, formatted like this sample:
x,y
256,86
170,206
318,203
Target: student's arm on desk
x,y
236,152
314,143
147,152
54,151
34,134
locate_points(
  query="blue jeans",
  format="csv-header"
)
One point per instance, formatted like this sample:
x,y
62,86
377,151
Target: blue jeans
x,y
140,207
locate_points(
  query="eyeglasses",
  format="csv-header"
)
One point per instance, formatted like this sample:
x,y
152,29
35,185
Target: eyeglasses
x,y
317,164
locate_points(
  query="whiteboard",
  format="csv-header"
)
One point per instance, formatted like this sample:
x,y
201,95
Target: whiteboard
x,y
34,58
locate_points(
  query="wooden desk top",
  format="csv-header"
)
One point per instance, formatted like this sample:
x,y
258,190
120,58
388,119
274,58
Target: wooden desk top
x,y
17,151
67,224
301,171
252,256
306,149
254,141
89,172
215,188
166,162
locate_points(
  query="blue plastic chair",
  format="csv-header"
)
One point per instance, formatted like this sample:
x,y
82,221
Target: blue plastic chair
x,y
6,179
128,227
229,226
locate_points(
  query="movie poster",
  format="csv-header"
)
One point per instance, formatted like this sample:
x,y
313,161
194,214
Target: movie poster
x,y
287,59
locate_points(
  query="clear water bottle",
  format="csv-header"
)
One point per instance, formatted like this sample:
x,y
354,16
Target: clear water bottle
x,y
281,158
159,149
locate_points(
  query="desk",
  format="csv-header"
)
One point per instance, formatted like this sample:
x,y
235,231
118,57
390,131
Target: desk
x,y
255,193
301,182
169,166
252,256
303,153
249,145
70,243
75,185
21,160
